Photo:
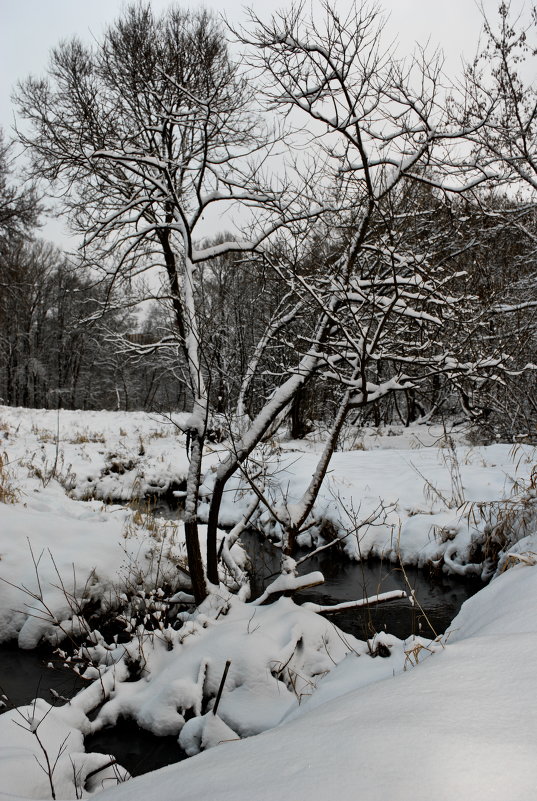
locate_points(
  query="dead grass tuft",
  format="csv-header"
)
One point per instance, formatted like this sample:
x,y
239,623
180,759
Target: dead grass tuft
x,y
82,437
8,492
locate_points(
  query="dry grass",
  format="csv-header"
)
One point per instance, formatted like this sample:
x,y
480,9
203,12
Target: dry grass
x,y
507,521
43,434
82,437
158,528
8,492
158,434
165,556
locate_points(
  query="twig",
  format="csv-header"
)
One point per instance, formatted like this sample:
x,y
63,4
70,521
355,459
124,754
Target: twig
x,y
318,550
103,767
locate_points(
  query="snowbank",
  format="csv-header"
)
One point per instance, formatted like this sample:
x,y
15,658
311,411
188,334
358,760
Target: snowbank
x,y
42,749
458,725
59,555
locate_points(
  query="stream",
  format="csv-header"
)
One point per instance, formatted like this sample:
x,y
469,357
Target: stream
x,y
439,597
25,674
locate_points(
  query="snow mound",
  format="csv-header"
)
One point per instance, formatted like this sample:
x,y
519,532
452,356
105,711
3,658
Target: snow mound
x,y
42,748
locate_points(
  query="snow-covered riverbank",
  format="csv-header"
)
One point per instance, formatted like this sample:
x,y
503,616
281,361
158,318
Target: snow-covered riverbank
x,y
386,719
461,724
416,495
447,720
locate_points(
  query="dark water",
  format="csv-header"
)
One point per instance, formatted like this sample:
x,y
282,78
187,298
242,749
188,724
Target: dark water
x,y
24,675
135,749
439,597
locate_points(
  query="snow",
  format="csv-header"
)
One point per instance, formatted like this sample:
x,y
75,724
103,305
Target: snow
x,y
373,599
81,552
286,582
307,711
276,653
400,494
23,762
459,724
205,732
417,487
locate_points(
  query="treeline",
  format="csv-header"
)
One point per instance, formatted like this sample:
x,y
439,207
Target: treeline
x,y
58,333
65,344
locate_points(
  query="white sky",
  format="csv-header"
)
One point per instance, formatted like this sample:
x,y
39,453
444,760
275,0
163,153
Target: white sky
x,y
30,28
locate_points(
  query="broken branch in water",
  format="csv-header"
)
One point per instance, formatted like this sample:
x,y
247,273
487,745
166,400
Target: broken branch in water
x,y
373,599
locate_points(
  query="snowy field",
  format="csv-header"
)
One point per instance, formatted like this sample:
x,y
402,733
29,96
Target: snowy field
x,y
333,716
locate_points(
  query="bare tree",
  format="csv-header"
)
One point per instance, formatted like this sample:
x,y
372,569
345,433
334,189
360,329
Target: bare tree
x,y
19,206
385,299
154,126
500,93
149,130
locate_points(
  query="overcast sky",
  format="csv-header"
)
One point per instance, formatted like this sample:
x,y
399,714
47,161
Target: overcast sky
x,y
29,28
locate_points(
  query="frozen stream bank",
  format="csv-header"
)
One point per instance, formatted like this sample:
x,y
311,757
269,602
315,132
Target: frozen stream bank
x,y
438,504
24,674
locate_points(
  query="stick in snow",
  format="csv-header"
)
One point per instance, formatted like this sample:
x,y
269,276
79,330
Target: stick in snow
x,y
222,682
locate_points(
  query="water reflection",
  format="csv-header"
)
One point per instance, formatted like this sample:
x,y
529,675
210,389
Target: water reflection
x,y
439,597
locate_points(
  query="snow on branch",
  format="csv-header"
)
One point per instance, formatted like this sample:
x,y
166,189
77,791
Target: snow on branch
x,y
373,599
286,582
506,308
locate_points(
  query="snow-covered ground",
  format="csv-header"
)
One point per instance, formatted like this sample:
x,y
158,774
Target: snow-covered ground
x,y
415,495
340,717
461,724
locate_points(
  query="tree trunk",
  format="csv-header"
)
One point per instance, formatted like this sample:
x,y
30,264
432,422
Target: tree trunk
x,y
310,496
298,427
195,563
250,438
